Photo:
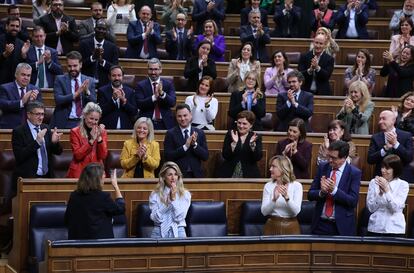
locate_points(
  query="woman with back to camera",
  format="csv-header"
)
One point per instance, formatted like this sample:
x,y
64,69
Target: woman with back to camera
x,y
282,198
275,79
357,109
361,71
239,67
89,141
169,203
405,113
140,155
386,199
336,131
296,148
203,105
89,211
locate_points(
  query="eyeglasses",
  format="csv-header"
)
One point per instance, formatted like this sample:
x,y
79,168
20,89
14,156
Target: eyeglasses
x,y
37,114
57,5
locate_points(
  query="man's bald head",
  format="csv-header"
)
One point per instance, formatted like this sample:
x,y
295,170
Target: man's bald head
x,y
386,120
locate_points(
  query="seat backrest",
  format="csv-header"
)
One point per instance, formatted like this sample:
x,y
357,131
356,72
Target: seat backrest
x,y
144,223
251,219
113,161
305,216
46,223
120,226
61,163
7,163
363,222
206,219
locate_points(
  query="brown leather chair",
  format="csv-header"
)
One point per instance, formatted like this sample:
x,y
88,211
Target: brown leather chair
x,y
112,162
293,57
180,83
129,80
220,85
350,58
268,122
61,163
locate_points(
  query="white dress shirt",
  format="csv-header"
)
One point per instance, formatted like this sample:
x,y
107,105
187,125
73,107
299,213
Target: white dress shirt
x,y
282,208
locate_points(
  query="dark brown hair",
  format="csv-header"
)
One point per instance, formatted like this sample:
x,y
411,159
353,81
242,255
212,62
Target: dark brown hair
x,y
393,162
339,123
249,115
298,122
90,178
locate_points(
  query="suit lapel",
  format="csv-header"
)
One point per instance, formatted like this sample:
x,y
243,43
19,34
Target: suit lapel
x,y
344,176
15,91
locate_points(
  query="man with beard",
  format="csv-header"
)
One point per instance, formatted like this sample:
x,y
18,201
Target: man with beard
x,y
98,54
406,12
155,97
117,102
13,50
72,92
14,11
87,26
61,30
43,60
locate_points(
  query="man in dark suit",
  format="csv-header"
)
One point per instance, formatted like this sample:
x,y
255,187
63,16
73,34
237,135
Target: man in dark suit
x,y
61,30
72,92
322,17
43,60
143,36
295,103
15,95
98,55
186,145
352,19
287,20
208,9
317,67
155,97
14,11
391,141
256,33
335,190
254,6
33,145
12,50
87,27
117,102
179,40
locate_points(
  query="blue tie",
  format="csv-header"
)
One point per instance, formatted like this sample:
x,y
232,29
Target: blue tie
x,y
41,71
43,154
249,100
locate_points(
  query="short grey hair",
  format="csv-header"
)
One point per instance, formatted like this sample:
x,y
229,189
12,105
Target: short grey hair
x,y
154,61
22,66
150,136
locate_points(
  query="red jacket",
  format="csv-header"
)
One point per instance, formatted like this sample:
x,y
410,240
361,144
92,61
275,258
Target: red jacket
x,y
84,153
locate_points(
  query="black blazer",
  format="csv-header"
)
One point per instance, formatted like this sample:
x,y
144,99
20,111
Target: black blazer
x,y
326,62
93,69
25,152
246,35
110,111
244,154
67,39
89,216
400,79
192,69
236,107
286,25
174,151
8,65
172,46
244,16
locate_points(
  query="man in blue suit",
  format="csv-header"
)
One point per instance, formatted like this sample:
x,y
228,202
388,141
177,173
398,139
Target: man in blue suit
x,y
335,190
186,145
295,103
98,54
352,19
43,60
179,40
391,141
256,33
117,102
143,36
15,95
208,9
72,92
155,97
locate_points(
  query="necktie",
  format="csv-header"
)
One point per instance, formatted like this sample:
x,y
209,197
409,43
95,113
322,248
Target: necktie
x,y
41,71
254,30
145,40
249,100
157,113
329,203
78,102
22,93
186,134
43,154
98,45
180,46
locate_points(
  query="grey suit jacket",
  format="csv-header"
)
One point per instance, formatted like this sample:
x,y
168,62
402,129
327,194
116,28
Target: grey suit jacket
x,y
86,30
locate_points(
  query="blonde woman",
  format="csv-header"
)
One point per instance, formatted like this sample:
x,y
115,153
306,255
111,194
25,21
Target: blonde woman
x,y
119,14
282,198
169,203
141,154
357,109
331,46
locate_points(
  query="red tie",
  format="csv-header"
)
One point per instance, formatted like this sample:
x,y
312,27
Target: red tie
x,y
157,113
78,103
145,40
329,202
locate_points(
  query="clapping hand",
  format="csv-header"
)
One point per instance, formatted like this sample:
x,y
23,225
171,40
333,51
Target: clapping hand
x,y
391,138
40,138
387,56
253,138
283,190
8,50
326,141
204,59
234,136
314,63
382,184
291,96
56,135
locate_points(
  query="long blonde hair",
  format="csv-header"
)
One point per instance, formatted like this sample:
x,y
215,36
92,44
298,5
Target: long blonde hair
x,y
159,188
285,166
366,97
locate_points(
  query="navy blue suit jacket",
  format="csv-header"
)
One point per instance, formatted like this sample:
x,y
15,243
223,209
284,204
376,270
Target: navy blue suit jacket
x,y
287,25
244,16
172,46
10,105
246,35
200,14
174,151
361,20
53,69
286,114
143,96
110,110
404,151
64,98
135,41
345,199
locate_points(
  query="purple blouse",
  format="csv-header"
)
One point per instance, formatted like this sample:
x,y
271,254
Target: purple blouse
x,y
218,49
